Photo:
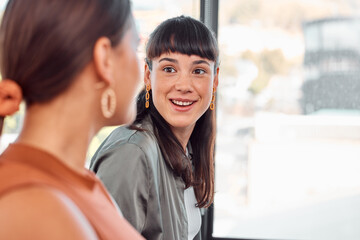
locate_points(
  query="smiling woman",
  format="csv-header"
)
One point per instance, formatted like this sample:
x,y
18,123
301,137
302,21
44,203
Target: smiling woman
x,y
182,87
160,170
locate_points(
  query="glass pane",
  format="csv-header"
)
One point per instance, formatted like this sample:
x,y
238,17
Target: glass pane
x,y
288,140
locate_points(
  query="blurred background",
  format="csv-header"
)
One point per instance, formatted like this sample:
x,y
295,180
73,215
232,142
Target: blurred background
x,y
288,115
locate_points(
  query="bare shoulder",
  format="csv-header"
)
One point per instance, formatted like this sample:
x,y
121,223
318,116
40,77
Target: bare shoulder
x,y
42,213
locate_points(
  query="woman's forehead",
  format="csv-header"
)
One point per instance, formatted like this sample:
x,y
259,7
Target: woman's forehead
x,y
178,55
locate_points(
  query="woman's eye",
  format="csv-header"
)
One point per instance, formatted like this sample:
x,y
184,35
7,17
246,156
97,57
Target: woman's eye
x,y
199,71
169,69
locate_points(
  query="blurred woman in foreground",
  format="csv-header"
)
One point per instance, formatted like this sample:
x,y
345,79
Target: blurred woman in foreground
x,y
74,64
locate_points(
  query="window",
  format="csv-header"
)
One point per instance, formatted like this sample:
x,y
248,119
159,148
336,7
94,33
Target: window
x,y
288,115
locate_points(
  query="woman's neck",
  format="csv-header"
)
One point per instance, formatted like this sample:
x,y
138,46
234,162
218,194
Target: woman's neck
x,y
59,130
183,134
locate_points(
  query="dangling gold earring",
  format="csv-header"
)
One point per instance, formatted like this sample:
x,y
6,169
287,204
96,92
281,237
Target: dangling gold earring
x,y
147,96
212,104
108,103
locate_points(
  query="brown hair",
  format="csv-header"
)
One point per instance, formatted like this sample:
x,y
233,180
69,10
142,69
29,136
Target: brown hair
x,y
44,44
188,36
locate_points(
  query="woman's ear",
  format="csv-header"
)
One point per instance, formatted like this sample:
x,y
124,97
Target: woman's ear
x,y
216,78
103,61
147,74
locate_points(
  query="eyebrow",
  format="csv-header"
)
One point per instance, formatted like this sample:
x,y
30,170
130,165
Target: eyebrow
x,y
169,59
176,61
200,62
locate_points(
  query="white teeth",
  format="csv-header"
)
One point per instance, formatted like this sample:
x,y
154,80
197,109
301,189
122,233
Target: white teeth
x,y
180,103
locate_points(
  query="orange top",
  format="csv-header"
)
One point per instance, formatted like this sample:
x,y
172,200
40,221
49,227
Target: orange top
x,y
22,166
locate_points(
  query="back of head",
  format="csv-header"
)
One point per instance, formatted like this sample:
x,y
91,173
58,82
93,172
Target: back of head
x,y
44,44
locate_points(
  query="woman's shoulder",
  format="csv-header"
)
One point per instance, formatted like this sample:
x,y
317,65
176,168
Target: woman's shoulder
x,y
128,143
30,211
141,136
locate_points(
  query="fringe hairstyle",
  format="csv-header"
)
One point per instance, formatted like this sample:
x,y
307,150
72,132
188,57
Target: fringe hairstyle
x,y
187,36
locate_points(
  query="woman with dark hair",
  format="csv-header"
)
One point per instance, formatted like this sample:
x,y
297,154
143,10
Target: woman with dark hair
x,y
75,65
160,170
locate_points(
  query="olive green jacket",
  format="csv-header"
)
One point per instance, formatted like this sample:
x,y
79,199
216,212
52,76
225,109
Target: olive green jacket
x,y
150,196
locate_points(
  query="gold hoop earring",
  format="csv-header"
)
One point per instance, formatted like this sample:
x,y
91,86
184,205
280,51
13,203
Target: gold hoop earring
x,y
212,104
147,96
108,103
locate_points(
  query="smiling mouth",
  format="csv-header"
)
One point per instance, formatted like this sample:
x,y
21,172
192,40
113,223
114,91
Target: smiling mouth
x,y
181,103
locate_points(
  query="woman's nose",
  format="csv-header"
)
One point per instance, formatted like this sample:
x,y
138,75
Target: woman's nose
x,y
184,83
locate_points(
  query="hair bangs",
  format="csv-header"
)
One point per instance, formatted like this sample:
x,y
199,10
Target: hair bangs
x,y
185,36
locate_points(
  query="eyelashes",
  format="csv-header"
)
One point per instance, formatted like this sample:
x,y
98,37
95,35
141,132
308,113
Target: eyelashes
x,y
169,69
198,71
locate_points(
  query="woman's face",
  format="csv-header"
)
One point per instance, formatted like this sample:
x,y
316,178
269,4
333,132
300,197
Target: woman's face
x,y
127,75
182,88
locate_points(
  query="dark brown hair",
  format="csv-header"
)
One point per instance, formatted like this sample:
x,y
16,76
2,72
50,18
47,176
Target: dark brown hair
x,y
187,36
44,44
